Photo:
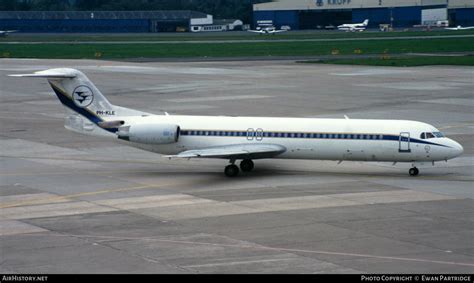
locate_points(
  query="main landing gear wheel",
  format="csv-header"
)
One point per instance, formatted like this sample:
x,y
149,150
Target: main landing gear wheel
x,y
414,171
247,165
231,170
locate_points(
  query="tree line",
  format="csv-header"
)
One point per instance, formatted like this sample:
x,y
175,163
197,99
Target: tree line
x,y
221,9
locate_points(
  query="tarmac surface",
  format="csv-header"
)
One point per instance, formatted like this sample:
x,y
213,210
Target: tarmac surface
x,y
78,204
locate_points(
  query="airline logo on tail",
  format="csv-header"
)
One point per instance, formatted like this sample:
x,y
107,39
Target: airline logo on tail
x,y
83,96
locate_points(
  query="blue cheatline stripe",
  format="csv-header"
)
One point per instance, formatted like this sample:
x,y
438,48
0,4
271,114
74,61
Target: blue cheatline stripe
x,y
294,135
67,101
412,140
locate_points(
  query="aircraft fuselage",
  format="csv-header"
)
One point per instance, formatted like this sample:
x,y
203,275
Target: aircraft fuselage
x,y
303,138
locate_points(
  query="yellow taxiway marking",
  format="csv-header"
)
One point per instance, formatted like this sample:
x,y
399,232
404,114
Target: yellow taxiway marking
x,y
80,159
74,173
123,161
66,197
200,165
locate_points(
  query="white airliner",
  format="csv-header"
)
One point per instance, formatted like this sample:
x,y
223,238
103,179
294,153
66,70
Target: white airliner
x,y
354,27
459,28
246,138
4,33
267,30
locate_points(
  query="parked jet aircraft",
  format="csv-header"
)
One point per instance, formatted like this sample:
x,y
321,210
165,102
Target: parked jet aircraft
x,y
4,33
459,28
246,138
267,30
354,27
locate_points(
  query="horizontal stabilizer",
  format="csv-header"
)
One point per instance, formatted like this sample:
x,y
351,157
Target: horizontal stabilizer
x,y
50,74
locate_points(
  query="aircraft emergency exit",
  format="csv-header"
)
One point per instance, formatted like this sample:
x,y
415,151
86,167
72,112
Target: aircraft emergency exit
x,y
246,138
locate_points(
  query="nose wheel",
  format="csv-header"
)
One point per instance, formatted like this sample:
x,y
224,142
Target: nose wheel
x,y
414,171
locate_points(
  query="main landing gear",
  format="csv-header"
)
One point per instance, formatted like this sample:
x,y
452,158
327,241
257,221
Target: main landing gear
x,y
232,170
414,171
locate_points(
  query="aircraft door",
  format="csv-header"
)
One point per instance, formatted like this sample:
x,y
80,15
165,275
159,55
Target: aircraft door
x,y
404,142
250,134
259,134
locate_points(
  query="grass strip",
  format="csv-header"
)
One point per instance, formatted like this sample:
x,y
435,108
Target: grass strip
x,y
128,51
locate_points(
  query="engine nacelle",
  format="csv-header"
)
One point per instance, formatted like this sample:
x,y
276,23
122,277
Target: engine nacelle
x,y
150,133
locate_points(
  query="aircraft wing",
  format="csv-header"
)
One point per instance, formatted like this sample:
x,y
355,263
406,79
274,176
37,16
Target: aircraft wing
x,y
236,151
255,31
282,30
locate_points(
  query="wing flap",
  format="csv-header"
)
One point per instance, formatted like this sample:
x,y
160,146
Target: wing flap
x,y
239,151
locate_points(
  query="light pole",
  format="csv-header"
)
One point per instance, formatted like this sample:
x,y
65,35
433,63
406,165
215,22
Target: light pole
x,y
391,18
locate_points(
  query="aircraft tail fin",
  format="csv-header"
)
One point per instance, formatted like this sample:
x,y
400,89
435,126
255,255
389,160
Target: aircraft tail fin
x,y
366,22
80,96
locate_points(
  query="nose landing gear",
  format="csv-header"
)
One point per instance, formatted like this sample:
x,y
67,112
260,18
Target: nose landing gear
x,y
414,171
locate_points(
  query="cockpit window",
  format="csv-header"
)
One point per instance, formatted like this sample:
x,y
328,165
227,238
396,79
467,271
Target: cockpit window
x,y
424,136
430,135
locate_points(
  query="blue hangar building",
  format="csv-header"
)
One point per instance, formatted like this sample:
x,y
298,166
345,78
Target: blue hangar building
x,y
102,21
318,14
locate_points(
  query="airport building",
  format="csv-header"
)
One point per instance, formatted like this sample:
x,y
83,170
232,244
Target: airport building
x,y
103,21
321,14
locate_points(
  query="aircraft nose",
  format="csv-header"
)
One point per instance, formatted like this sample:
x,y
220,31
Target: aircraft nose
x,y
457,148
